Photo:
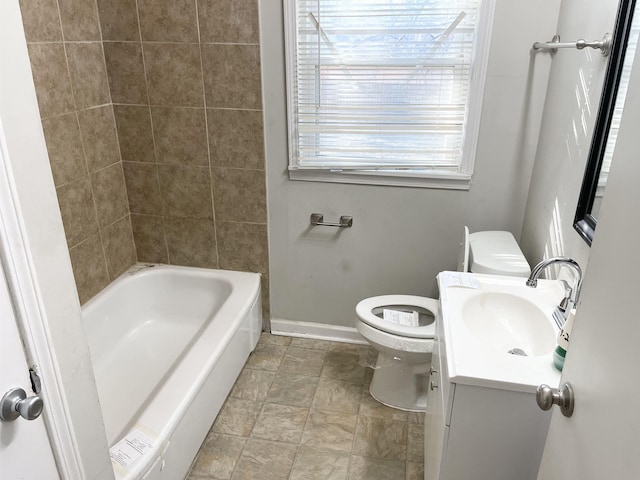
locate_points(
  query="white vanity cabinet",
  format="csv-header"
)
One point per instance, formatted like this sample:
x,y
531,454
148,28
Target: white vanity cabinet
x,y
476,432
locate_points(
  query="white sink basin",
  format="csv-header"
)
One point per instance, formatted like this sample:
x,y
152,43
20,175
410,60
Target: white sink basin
x,y
509,324
496,331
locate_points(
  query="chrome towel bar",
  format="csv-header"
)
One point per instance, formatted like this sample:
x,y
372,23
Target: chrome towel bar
x,y
317,219
603,45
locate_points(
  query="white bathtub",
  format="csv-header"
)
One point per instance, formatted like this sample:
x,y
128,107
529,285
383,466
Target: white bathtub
x,y
167,343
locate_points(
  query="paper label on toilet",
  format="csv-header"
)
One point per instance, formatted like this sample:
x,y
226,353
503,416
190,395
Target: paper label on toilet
x,y
408,319
129,450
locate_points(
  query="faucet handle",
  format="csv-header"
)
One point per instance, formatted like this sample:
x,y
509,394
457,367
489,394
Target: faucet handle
x,y
568,291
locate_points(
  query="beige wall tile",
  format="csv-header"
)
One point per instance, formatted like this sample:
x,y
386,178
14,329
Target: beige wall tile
x,y
168,20
78,213
143,188
228,21
110,194
64,145
232,77
266,305
415,471
89,268
99,137
191,242
79,20
41,20
119,20
181,135
151,243
243,246
134,133
119,248
239,195
236,138
126,72
186,191
88,74
51,79
174,74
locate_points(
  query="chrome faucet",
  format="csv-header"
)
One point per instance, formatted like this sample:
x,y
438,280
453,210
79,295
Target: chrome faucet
x,y
561,311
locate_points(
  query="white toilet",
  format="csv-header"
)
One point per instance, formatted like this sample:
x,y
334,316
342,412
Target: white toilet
x,y
402,327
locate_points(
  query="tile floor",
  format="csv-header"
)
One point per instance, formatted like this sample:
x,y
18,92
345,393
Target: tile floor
x,y
301,410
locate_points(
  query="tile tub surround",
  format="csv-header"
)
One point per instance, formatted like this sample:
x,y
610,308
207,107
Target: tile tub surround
x,y
185,83
72,88
169,91
301,410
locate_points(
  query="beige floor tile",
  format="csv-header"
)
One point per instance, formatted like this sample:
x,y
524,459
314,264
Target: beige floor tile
x,y
218,456
302,361
280,423
337,397
237,417
416,417
266,357
415,471
330,431
296,390
415,443
314,464
265,460
344,364
310,343
376,469
381,438
268,339
370,407
253,384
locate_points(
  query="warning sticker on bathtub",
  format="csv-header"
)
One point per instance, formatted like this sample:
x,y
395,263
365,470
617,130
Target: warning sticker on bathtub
x,y
130,449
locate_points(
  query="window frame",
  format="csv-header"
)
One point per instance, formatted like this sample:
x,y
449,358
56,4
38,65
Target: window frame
x,y
426,178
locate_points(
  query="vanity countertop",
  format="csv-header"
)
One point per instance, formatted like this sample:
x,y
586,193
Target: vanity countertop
x,y
484,317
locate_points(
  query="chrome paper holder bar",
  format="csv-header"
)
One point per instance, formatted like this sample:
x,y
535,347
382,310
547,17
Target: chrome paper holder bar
x,y
317,219
603,45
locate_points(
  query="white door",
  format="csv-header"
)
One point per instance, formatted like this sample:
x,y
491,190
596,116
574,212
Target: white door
x,y
25,452
602,438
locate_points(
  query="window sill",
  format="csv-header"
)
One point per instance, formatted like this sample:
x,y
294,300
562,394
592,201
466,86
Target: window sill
x,y
448,181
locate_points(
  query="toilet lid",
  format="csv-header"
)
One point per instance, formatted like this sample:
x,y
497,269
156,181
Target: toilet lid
x,y
366,308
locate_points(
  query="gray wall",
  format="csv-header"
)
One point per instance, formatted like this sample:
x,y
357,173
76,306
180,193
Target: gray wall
x,y
575,84
402,237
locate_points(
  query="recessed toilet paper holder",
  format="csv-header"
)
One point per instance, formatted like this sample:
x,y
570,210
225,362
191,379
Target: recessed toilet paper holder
x,y
317,219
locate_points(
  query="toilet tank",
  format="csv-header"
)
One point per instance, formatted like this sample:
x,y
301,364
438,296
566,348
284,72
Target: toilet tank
x,y
497,253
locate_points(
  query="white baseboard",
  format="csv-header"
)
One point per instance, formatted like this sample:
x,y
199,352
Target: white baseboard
x,y
317,331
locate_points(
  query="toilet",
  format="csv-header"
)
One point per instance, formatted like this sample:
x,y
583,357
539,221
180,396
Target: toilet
x,y
402,327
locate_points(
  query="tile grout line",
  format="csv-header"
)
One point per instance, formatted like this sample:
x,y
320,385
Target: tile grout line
x,y
153,135
206,126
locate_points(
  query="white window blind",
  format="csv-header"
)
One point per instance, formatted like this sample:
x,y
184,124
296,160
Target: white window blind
x,y
379,84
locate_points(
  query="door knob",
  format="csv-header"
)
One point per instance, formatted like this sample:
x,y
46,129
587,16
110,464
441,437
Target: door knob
x,y
563,397
15,404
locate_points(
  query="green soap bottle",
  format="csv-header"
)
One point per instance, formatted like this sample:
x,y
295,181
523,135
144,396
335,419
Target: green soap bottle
x,y
563,341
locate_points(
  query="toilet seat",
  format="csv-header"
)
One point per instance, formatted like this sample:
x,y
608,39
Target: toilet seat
x,y
365,308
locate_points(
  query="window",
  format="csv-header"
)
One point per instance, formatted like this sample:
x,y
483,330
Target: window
x,y
384,88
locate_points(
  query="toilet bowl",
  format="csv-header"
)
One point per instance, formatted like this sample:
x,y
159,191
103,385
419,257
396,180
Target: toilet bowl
x,y
404,347
402,327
